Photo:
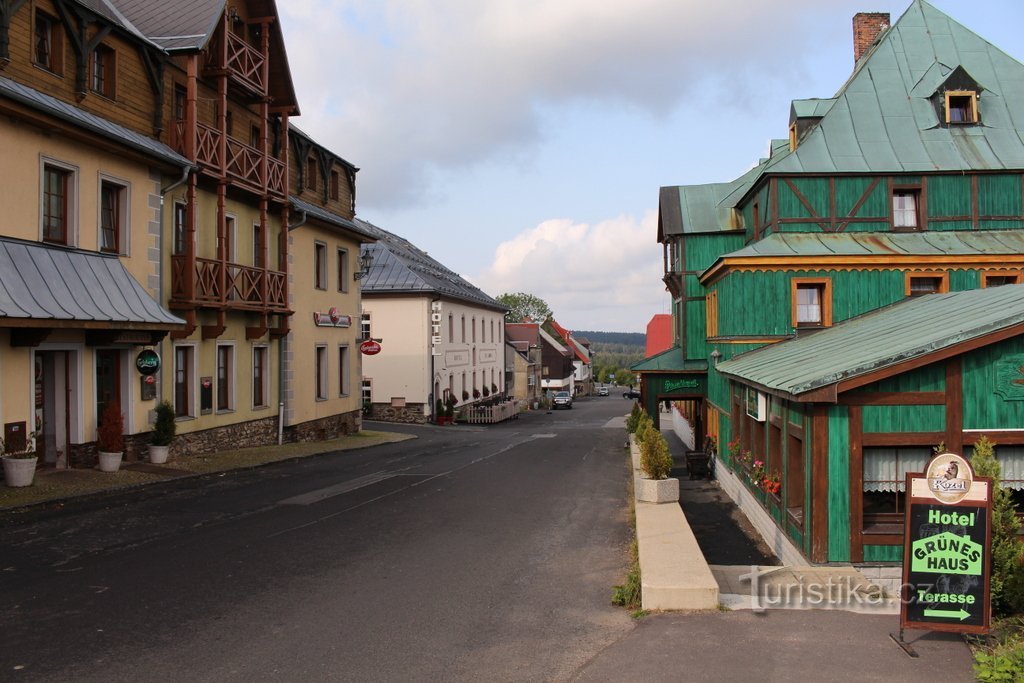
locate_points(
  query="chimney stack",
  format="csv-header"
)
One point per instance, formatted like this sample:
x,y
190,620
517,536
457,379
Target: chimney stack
x,y
867,26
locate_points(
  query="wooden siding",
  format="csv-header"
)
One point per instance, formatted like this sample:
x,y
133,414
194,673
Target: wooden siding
x,y
928,378
983,407
838,484
883,553
899,419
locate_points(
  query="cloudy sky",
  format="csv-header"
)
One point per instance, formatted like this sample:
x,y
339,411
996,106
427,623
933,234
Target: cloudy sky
x,y
522,142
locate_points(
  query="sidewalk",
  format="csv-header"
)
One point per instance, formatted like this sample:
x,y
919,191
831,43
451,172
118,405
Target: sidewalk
x,y
52,485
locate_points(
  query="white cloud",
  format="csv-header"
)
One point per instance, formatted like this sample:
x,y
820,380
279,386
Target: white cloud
x,y
590,275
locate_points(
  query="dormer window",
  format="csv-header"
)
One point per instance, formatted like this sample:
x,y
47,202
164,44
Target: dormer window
x,y
961,106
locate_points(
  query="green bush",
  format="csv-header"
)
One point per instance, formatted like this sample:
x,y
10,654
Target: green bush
x,y
633,421
1003,661
1007,583
628,594
655,459
644,427
164,426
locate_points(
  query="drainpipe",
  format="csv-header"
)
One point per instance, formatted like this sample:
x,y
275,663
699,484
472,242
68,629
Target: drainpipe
x,y
281,355
160,267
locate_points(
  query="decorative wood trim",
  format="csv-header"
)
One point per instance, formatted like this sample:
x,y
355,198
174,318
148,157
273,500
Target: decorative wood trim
x,y
819,485
954,405
902,438
893,398
856,421
882,539
1005,438
807,205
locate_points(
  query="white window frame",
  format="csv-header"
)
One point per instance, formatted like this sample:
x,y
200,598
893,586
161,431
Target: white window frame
x,y
366,325
71,202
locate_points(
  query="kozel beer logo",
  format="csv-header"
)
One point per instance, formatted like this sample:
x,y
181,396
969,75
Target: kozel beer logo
x,y
949,478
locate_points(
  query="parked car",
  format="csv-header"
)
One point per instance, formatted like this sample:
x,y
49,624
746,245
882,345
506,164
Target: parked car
x,y
602,391
562,399
631,393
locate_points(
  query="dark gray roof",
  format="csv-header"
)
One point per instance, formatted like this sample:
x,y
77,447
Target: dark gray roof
x,y
41,282
90,122
178,25
333,219
401,267
905,331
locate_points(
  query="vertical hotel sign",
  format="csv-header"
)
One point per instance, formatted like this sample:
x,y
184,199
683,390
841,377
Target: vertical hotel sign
x,y
947,548
435,328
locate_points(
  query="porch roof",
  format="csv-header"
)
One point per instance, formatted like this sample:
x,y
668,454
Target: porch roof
x,y
73,288
671,360
905,332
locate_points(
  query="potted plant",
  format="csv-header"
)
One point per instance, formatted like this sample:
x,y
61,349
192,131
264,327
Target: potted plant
x,y
655,486
449,408
164,428
439,414
465,395
110,437
20,465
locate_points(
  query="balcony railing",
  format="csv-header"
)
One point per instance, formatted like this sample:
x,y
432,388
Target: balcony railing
x,y
245,64
243,164
244,287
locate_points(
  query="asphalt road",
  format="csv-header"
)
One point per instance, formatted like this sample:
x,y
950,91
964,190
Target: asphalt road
x,y
470,553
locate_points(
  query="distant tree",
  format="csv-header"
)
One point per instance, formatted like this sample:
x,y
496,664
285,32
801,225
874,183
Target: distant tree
x,y
522,305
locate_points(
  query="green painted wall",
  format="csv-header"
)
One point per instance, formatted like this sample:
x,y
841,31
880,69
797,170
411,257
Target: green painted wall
x,y
999,195
949,195
838,484
929,378
850,190
983,407
814,190
892,419
883,553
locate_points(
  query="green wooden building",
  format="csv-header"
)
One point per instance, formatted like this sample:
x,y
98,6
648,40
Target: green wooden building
x,y
857,298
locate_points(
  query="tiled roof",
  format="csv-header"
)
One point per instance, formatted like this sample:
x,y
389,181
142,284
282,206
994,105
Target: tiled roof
x,y
401,267
90,122
906,331
41,282
333,219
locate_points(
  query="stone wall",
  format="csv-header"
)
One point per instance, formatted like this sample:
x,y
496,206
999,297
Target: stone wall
x,y
325,428
411,413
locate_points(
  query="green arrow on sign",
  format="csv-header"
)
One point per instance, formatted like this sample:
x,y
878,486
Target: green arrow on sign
x,y
960,614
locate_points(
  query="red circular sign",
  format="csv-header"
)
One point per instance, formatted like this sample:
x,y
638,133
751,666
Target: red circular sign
x,y
369,347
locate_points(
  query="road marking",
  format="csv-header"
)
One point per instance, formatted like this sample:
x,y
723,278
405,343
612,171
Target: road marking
x,y
336,490
543,436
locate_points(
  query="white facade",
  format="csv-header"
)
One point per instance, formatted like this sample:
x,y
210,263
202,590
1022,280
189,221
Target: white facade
x,y
429,348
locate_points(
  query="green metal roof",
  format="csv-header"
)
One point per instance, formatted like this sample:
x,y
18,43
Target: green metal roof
x,y
811,108
883,120
888,336
671,360
815,245
705,208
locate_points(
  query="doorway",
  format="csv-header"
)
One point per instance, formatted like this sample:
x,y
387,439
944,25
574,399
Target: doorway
x,y
53,406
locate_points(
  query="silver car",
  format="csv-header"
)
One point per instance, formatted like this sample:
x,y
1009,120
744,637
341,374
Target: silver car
x,y
562,399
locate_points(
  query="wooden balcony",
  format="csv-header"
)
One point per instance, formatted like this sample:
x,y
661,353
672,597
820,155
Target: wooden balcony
x,y
245,66
229,286
244,164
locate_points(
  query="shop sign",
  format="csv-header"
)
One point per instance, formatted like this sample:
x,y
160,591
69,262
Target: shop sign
x,y
369,348
147,362
331,318
435,328
947,548
676,384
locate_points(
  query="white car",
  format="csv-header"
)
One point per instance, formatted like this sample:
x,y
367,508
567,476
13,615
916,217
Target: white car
x,y
602,391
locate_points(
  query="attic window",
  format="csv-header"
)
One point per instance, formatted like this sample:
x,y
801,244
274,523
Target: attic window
x,y
961,106
792,137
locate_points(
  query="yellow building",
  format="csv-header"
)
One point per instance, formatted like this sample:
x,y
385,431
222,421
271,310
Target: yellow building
x,y
323,369
80,273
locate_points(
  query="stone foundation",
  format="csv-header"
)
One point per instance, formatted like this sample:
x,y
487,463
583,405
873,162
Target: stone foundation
x,y
325,428
415,413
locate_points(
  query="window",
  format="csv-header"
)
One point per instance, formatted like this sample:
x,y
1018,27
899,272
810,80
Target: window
x,y
102,71
180,100
492,330
711,312
335,185
905,208
926,283
364,326
795,482
225,377
258,250
229,239
48,44
451,328
113,211
367,391
260,377
255,137
311,171
183,369
998,278
1011,463
344,371
463,329
321,373
320,265
180,234
885,471
472,326
961,106
229,123
792,136
57,188
343,277
811,302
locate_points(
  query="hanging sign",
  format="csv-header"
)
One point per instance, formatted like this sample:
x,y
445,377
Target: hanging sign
x,y
331,318
947,548
369,348
147,362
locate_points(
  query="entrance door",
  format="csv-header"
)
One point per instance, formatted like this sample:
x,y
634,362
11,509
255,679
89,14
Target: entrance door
x,y
108,380
53,406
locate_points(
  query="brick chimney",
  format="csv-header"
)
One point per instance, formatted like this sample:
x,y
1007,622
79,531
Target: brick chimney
x,y
867,26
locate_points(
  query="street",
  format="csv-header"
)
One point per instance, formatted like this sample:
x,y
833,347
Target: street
x,y
467,553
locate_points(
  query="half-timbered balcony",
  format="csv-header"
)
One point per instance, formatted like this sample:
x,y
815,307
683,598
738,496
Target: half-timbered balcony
x,y
244,164
216,284
245,64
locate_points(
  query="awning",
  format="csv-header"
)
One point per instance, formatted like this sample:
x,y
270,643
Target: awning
x,y
46,286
